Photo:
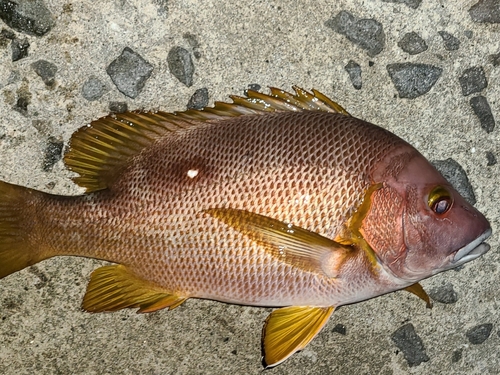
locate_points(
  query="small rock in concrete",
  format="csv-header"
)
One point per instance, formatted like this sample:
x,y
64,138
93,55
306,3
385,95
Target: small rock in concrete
x,y
413,80
118,107
199,99
46,70
485,11
53,153
366,33
407,340
181,65
479,334
129,72
491,158
354,71
444,294
93,89
30,17
456,176
22,103
340,328
412,43
193,43
411,3
254,87
469,34
162,7
451,43
473,80
457,356
19,49
482,110
494,59
7,34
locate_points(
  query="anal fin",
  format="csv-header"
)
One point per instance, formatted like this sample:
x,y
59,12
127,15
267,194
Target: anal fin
x,y
419,291
290,329
113,288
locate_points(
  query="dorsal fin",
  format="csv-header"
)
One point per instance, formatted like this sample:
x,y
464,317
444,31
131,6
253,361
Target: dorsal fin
x,y
99,151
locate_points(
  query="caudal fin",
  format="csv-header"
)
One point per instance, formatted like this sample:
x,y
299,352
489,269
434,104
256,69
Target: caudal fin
x,y
16,247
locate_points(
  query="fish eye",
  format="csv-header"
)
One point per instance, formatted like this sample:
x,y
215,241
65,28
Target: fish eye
x,y
440,200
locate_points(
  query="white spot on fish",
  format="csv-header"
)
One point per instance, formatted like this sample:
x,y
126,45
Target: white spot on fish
x,y
192,173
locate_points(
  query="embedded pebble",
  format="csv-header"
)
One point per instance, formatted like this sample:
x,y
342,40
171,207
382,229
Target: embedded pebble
x,y
491,158
199,99
412,43
494,59
451,43
485,11
181,65
407,340
340,328
254,87
46,70
22,103
444,294
456,176
354,71
193,43
411,3
473,80
19,49
93,89
162,7
479,334
366,33
129,72
457,356
413,80
482,110
118,107
53,153
30,17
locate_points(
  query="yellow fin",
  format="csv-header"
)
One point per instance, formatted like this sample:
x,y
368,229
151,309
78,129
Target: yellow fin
x,y
16,249
290,329
100,151
113,288
419,291
288,243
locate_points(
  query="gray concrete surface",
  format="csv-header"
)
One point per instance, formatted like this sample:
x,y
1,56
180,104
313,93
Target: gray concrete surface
x,y
231,45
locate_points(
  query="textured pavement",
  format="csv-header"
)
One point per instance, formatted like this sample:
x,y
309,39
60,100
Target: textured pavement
x,y
428,71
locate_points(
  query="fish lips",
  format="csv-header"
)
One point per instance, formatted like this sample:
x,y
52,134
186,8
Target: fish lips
x,y
472,250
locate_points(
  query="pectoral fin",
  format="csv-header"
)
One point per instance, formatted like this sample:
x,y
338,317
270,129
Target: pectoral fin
x,y
419,291
113,288
290,329
288,243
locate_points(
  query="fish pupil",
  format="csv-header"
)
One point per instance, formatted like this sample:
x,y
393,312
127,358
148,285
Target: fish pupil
x,y
442,205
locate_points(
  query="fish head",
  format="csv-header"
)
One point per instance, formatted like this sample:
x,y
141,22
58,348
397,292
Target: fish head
x,y
418,225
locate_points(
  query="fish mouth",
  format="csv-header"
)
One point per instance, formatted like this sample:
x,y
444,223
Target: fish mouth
x,y
472,250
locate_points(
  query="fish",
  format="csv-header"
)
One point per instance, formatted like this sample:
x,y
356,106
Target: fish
x,y
279,200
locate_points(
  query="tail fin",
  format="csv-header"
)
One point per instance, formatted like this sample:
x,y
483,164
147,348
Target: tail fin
x,y
16,249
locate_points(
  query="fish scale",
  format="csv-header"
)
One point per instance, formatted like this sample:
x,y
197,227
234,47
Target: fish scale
x,y
274,200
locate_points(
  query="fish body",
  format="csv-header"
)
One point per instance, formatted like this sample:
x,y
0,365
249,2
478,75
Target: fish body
x,y
281,200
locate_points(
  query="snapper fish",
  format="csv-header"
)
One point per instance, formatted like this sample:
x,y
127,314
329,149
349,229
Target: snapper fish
x,y
281,200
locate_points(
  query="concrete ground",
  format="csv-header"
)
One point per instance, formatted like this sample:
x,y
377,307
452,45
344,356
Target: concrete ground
x,y
428,71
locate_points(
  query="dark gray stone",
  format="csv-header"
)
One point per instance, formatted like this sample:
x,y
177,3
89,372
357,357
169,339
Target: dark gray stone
x,y
162,7
53,153
411,3
444,294
407,340
118,107
46,70
412,43
494,59
254,87
181,65
19,49
491,158
93,89
485,11
479,334
30,17
457,356
366,33
456,176
451,43
482,110
413,80
469,34
129,72
199,100
22,103
354,71
473,80
340,328
193,43
7,34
